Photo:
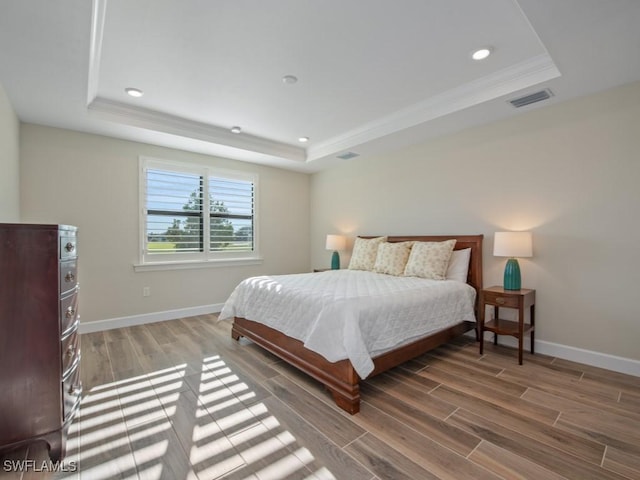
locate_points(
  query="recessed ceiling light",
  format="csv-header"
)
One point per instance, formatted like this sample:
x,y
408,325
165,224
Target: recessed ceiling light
x,y
289,79
482,53
303,139
236,129
134,92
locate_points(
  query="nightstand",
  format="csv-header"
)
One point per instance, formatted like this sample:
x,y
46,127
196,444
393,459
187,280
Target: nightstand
x,y
501,298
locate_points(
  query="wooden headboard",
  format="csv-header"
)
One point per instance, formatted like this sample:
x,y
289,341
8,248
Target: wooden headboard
x,y
474,242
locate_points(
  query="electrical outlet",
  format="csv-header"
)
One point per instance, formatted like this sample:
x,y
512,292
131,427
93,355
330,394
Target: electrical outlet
x,y
146,291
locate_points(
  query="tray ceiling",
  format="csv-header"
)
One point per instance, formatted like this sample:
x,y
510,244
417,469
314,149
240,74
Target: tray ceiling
x,y
371,75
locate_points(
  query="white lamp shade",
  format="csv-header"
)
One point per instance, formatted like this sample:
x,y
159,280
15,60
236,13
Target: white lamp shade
x,y
513,244
336,242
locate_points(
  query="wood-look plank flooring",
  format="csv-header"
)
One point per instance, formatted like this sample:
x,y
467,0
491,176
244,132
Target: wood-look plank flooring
x,y
182,400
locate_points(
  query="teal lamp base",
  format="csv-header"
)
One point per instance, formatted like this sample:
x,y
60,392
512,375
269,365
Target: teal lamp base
x,y
512,275
335,261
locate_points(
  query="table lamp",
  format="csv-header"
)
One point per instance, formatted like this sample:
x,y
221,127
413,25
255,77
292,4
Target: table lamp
x,y
335,243
512,245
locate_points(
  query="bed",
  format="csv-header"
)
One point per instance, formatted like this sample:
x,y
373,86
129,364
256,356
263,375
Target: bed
x,y
341,377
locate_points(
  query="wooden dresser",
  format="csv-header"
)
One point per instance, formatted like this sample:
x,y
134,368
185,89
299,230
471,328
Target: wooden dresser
x,y
40,387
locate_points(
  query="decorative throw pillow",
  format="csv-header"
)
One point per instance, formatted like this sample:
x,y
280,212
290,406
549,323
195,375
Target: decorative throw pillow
x,y
364,253
459,265
392,257
429,259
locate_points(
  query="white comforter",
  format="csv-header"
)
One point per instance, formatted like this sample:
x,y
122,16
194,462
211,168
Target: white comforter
x,y
349,313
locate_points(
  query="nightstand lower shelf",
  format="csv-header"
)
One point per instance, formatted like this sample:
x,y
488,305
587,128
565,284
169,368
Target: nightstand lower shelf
x,y
506,327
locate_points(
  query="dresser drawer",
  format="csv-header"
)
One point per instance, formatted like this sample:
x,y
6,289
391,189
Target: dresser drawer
x,y
68,246
68,276
68,312
70,349
71,392
500,300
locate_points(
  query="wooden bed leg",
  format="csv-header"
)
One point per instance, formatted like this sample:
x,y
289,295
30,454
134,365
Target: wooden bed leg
x,y
235,334
348,403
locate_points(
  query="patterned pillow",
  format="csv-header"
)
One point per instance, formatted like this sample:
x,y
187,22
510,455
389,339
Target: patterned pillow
x,y
364,253
392,257
429,259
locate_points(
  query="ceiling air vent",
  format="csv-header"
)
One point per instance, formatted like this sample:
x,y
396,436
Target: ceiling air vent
x,y
348,155
532,98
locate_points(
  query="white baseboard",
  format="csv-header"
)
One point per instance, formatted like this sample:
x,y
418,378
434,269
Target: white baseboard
x,y
588,357
574,354
133,320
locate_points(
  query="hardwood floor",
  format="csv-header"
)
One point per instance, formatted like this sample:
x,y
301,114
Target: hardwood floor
x,y
182,400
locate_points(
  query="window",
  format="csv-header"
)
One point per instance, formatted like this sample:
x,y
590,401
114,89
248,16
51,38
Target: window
x,y
193,213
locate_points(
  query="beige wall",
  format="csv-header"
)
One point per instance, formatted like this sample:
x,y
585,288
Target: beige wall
x,y
9,161
568,172
92,182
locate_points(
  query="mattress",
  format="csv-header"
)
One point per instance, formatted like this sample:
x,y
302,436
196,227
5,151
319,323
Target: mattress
x,y
352,314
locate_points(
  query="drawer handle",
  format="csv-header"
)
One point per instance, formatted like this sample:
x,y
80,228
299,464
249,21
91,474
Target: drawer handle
x,y
69,247
75,389
69,277
71,350
500,300
70,312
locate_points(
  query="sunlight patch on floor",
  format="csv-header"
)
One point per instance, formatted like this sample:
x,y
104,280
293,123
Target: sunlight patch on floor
x,y
130,427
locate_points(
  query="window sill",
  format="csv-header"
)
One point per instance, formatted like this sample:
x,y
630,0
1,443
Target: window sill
x,y
191,264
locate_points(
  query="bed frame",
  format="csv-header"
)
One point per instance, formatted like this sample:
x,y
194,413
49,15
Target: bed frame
x,y
339,377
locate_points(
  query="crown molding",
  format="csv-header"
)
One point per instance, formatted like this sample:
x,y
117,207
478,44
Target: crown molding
x,y
525,74
98,13
175,125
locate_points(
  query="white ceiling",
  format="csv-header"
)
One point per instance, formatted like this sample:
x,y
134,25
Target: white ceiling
x,y
373,74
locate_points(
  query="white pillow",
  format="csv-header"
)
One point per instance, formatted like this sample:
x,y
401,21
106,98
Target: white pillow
x,y
365,251
429,259
392,258
459,265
